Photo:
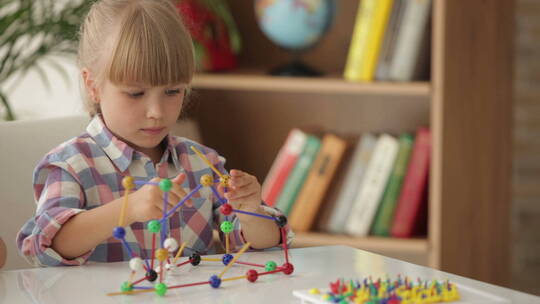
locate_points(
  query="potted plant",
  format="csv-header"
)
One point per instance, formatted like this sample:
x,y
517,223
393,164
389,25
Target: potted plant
x,y
32,33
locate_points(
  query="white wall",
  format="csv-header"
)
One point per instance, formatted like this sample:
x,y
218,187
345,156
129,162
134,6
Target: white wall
x,y
30,98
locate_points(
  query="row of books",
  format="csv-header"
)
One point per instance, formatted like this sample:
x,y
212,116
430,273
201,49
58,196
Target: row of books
x,y
375,186
390,41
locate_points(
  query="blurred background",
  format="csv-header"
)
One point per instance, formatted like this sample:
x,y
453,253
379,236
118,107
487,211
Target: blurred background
x,y
32,98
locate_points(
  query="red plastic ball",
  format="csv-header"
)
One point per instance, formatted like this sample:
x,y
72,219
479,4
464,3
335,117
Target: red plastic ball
x,y
226,209
288,268
252,275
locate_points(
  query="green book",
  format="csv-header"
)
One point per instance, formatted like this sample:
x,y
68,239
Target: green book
x,y
383,219
298,175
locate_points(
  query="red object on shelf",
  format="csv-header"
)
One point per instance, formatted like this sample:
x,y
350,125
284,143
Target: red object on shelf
x,y
412,198
210,32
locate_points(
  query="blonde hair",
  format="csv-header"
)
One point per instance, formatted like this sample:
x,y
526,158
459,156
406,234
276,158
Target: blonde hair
x,y
138,41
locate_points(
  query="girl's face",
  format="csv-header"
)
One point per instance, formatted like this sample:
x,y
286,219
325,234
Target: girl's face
x,y
141,115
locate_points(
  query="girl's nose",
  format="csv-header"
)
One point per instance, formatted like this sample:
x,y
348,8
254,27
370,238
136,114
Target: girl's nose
x,y
155,109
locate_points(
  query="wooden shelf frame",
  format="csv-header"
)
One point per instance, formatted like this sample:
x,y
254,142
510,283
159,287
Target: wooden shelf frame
x,y
246,115
326,85
412,246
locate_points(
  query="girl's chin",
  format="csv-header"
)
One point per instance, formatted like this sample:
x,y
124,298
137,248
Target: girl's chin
x,y
147,143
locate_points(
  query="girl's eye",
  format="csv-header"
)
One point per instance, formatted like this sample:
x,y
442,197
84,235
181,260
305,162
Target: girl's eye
x,y
172,92
136,94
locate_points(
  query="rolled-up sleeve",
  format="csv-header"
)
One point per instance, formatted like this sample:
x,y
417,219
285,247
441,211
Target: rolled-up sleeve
x,y
59,197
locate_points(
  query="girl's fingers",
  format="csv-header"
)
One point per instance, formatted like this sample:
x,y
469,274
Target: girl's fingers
x,y
180,193
221,190
235,204
241,192
243,199
179,179
157,212
172,200
236,172
241,180
178,190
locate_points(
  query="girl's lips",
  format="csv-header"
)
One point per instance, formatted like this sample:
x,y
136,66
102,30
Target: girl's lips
x,y
153,131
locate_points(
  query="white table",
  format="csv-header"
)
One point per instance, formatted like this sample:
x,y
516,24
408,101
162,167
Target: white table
x,y
314,267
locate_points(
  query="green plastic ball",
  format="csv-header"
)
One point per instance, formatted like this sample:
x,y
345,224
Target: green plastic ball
x,y
154,226
161,289
270,266
226,227
165,185
126,286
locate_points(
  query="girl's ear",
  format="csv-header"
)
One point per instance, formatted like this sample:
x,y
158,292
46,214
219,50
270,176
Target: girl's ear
x,y
90,84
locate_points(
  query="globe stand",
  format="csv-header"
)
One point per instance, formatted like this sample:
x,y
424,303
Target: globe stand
x,y
295,69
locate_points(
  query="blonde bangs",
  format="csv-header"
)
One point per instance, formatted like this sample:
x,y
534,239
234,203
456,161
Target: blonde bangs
x,y
152,48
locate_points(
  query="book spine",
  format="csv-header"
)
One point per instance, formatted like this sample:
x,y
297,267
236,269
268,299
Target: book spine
x,y
353,179
359,40
380,19
284,163
310,198
385,213
414,185
298,175
389,42
409,40
369,196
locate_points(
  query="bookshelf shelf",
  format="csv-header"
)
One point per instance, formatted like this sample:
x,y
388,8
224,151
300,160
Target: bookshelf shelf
x,y
467,104
333,84
413,246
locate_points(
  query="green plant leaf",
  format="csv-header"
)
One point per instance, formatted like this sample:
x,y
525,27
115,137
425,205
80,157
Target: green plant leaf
x,y
34,31
9,115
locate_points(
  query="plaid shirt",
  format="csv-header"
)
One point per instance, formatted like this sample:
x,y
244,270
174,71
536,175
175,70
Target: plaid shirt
x,y
87,171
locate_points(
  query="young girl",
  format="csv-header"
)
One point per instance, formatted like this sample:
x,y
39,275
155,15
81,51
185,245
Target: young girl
x,y
137,62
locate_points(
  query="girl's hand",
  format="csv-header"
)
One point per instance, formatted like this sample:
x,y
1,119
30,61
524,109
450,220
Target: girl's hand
x,y
147,202
244,192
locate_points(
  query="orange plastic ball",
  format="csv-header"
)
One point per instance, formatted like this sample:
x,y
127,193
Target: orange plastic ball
x,y
127,183
207,180
161,254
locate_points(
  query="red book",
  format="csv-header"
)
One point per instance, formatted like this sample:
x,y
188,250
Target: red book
x,y
282,166
410,205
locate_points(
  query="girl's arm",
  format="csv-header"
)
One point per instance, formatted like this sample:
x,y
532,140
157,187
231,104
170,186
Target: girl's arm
x,y
86,230
245,194
259,232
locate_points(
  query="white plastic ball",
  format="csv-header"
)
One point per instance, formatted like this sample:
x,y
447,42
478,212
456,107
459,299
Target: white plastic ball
x,y
171,244
136,264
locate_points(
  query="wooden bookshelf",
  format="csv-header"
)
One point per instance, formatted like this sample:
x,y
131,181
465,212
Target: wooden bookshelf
x,y
333,84
415,246
246,115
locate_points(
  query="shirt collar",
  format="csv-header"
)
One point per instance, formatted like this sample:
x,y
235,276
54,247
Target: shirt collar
x,y
170,152
120,153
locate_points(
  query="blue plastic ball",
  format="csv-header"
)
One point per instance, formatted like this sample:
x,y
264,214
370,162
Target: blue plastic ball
x,y
215,281
227,259
119,232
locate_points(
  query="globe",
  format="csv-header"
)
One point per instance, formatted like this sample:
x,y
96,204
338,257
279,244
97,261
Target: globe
x,y
295,25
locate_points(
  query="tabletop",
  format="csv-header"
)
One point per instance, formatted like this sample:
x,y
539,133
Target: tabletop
x,y
313,267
